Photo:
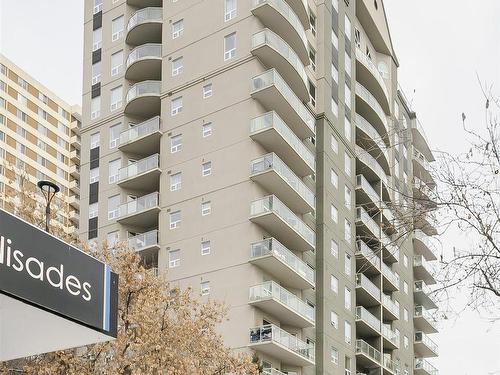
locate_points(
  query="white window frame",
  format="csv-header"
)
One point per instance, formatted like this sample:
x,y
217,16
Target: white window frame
x,y
96,141
347,299
116,69
334,319
178,70
207,91
97,113
334,284
177,33
97,7
117,104
229,14
113,214
206,208
206,129
231,53
347,333
113,178
206,248
93,210
334,178
334,248
94,178
113,142
177,146
117,34
347,264
334,213
173,263
206,169
175,109
177,223
205,288
177,185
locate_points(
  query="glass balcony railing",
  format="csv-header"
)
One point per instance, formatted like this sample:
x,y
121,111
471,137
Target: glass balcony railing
x,y
389,274
373,70
141,130
143,240
149,50
419,261
421,286
272,120
266,36
362,347
368,317
363,216
422,364
374,104
272,333
272,77
369,160
138,205
145,15
421,337
143,88
372,133
271,161
391,365
368,253
286,11
422,159
390,335
272,371
422,312
362,183
272,204
365,283
139,167
273,247
272,290
390,304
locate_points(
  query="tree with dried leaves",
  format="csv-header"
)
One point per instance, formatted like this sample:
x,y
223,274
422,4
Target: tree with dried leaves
x,y
161,329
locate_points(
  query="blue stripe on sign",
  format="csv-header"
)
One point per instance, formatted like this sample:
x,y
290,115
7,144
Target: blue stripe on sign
x,y
107,295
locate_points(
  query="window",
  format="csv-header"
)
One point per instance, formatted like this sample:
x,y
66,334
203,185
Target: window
x,y
347,27
334,319
97,39
348,102
347,332
114,135
206,169
229,9
205,248
357,37
383,70
177,66
206,208
347,230
205,288
335,74
334,284
347,197
334,214
312,22
405,287
334,178
175,219
93,210
94,140
22,99
116,63
43,98
347,164
174,258
95,107
312,57
405,314
335,5
175,181
347,125
116,97
229,46
334,144
405,260
24,117
406,342
334,355
335,107
113,207
334,248
97,6
94,175
207,91
117,28
206,130
348,65
113,238
347,298
176,106
114,170
347,264
177,29
176,144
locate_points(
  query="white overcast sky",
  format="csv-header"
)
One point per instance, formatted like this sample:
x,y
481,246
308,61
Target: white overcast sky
x,y
441,46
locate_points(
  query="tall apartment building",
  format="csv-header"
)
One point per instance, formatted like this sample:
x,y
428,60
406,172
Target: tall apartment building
x,y
258,151
39,140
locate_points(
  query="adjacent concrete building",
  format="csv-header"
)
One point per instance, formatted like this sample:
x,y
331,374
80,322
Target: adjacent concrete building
x,y
39,140
261,152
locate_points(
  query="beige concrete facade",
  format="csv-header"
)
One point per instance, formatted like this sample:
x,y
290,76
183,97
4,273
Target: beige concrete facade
x,y
39,140
252,150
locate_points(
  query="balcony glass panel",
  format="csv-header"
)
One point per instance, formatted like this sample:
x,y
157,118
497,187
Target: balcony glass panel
x,y
142,166
273,247
374,135
390,304
422,364
364,348
365,283
365,217
150,50
362,183
144,88
145,15
391,365
370,99
426,340
369,160
270,289
368,253
144,128
422,312
144,240
140,204
390,335
390,275
373,70
368,317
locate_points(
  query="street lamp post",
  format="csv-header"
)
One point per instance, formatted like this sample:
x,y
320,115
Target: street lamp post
x,y
49,190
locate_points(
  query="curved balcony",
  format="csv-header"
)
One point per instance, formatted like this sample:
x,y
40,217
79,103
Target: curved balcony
x,y
277,343
390,337
272,133
423,320
366,260
274,258
366,196
425,220
274,52
146,243
141,212
422,295
366,228
422,168
422,245
276,177
368,74
367,293
277,219
390,308
422,270
144,63
271,90
369,167
278,16
143,99
370,109
142,138
367,324
366,355
390,279
143,175
145,3
273,299
369,139
424,346
423,194
420,140
390,251
145,26
423,367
